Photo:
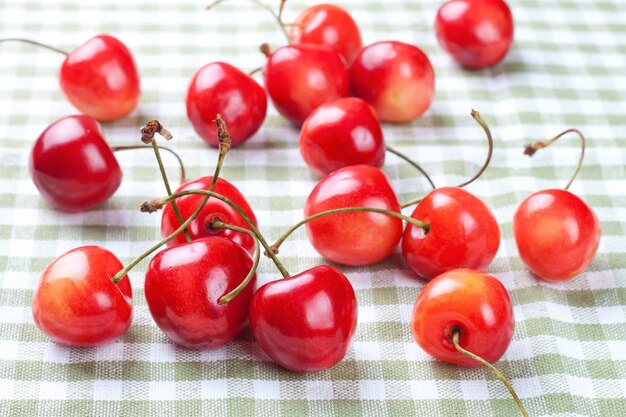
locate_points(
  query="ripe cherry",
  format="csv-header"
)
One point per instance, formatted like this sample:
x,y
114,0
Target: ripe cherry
x,y
477,33
72,166
354,239
329,25
214,208
462,234
341,133
557,233
183,287
300,78
396,78
220,88
77,304
305,322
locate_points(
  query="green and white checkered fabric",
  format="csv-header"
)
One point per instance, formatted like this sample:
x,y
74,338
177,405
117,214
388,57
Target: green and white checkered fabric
x,y
568,356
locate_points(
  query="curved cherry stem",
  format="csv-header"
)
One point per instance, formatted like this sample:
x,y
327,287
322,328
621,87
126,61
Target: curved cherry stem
x,y
43,45
482,169
456,333
183,174
218,224
254,71
412,163
284,236
154,205
534,147
277,16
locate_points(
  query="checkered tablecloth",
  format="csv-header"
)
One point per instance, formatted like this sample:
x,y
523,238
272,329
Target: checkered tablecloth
x,y
568,355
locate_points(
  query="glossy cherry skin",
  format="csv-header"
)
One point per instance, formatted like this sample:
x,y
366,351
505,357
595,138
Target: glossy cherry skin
x,y
463,234
354,238
77,304
477,33
305,322
329,25
214,208
342,133
72,166
184,284
396,78
472,301
220,88
557,234
300,78
100,79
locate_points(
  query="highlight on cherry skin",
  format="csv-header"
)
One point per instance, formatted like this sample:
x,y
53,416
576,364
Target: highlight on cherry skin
x,y
76,303
72,165
214,208
220,88
476,33
396,78
329,25
354,239
342,133
305,322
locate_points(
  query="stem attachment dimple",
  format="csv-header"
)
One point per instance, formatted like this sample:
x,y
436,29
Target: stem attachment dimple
x,y
456,333
534,147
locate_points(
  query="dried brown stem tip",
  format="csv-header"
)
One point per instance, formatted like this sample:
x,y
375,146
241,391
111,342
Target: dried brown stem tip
x,y
151,206
265,49
151,128
534,147
222,135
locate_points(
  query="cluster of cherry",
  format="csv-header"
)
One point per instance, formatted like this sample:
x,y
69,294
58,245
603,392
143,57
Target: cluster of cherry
x,y
200,289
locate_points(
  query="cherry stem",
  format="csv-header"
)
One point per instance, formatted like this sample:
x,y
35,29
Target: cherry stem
x,y
456,333
183,173
277,16
534,147
482,169
254,71
412,163
154,205
218,224
147,136
43,45
281,239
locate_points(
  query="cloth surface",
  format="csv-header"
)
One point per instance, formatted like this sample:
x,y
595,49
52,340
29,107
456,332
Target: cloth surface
x,y
567,68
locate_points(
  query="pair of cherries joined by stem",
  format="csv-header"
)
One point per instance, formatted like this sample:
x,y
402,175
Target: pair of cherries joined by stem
x,y
99,77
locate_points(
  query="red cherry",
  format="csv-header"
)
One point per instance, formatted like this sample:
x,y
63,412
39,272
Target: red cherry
x,y
72,166
463,234
477,33
341,133
77,304
396,78
220,88
557,234
184,283
199,228
354,239
470,302
300,78
329,25
100,78
305,322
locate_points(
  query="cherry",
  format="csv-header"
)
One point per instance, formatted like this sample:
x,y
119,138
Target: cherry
x,y
305,322
557,234
396,78
214,208
184,284
341,133
77,304
221,88
477,33
72,166
354,239
329,25
462,233
300,78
